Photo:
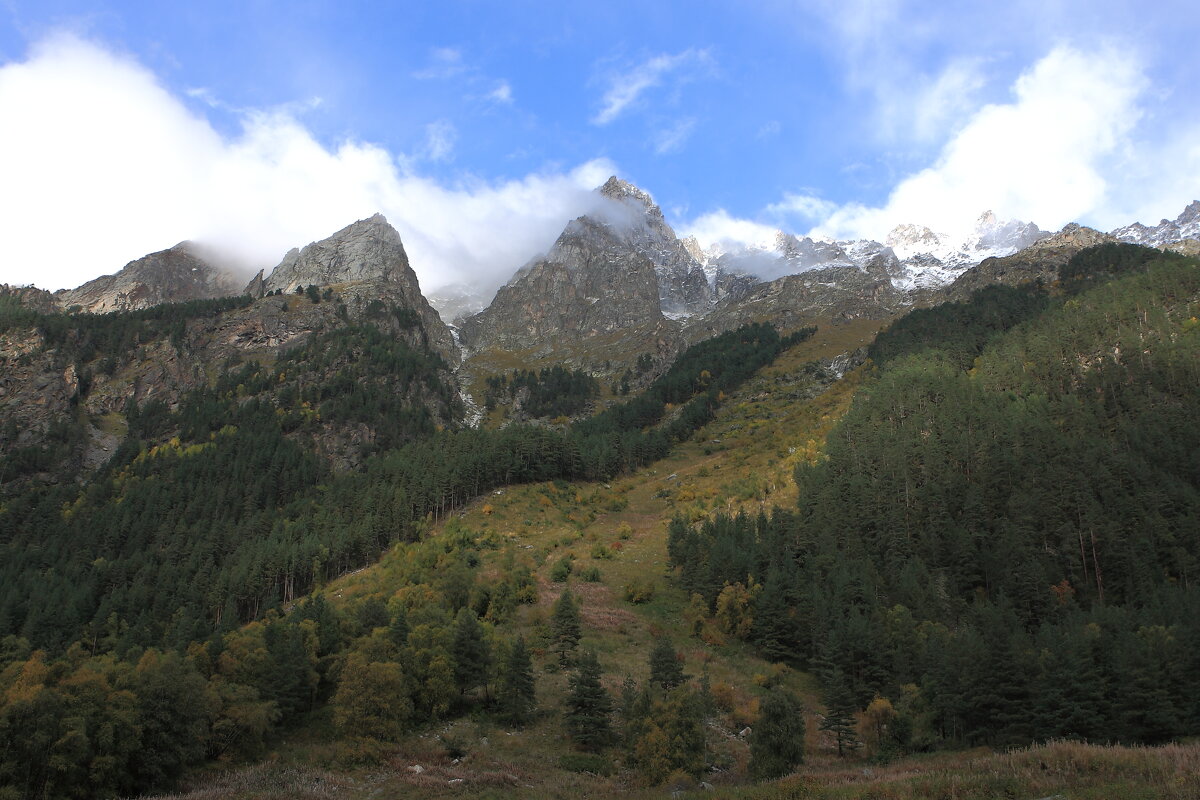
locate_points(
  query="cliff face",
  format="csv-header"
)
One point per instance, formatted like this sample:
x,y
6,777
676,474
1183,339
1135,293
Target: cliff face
x,y
591,284
362,275
45,389
365,262
175,275
818,296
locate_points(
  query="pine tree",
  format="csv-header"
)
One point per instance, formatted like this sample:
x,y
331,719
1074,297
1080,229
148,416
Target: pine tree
x,y
515,694
566,627
777,743
588,706
839,719
471,652
665,669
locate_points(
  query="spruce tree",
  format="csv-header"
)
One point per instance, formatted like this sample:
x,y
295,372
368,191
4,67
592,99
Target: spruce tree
x,y
839,718
471,652
665,669
777,743
588,706
566,626
515,694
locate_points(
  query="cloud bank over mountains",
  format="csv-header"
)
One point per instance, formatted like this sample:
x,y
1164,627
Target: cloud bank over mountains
x,y
1069,145
102,164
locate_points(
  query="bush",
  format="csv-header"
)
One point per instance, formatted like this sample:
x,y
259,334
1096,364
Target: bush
x,y
638,591
561,569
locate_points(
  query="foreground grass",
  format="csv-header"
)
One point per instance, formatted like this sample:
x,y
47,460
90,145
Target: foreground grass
x,y
1059,770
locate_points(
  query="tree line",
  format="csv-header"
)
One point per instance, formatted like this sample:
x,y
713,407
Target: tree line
x,y
1000,545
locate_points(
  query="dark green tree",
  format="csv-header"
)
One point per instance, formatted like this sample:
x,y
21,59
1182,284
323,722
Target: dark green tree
x,y
566,627
515,694
839,716
471,651
777,743
588,705
666,671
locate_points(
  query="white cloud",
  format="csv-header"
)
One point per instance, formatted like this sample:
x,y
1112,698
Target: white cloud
x,y
502,94
440,138
718,227
1066,147
1042,157
102,165
624,89
803,205
672,138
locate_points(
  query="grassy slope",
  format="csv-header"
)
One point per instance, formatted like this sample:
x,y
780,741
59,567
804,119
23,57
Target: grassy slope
x,y
743,460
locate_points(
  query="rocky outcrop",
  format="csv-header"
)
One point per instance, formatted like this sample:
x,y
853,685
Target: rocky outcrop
x,y
1185,226
175,275
365,262
1040,261
29,297
830,294
683,286
597,297
590,284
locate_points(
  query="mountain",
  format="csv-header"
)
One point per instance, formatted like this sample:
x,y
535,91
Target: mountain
x,y
599,282
175,275
918,258
821,295
1185,226
68,381
365,263
683,285
1040,261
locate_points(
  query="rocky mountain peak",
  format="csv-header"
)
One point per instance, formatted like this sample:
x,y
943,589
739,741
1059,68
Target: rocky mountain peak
x,y
692,245
1185,226
596,281
174,275
624,191
912,237
366,250
366,261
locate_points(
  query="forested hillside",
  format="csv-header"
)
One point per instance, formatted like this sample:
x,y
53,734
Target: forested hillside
x,y
996,545
1001,540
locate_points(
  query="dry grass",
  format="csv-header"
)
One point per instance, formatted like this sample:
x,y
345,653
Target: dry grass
x,y
1058,770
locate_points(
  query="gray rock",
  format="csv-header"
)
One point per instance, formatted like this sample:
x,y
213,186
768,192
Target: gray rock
x,y
175,275
362,262
595,286
1185,226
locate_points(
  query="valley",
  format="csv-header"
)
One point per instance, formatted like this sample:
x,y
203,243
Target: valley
x,y
875,527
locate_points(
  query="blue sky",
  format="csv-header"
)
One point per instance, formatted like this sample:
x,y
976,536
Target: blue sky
x,y
479,127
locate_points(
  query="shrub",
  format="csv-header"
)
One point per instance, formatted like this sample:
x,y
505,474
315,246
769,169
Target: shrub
x,y
561,569
638,591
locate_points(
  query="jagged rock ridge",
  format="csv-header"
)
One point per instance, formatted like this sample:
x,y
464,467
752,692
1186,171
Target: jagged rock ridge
x,y
683,286
918,258
366,261
174,275
589,284
1185,226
